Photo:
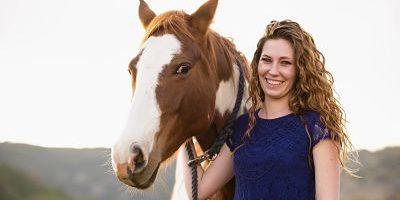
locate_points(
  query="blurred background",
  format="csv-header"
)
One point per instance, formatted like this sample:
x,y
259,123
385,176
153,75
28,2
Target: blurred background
x,y
65,90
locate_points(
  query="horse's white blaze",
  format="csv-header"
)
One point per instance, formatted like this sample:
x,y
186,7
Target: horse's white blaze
x,y
144,117
225,98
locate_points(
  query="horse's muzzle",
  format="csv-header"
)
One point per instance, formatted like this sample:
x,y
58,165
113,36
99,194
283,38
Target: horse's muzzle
x,y
134,170
134,164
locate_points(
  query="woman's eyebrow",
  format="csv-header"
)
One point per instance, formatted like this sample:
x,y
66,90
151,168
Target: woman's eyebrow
x,y
281,58
285,57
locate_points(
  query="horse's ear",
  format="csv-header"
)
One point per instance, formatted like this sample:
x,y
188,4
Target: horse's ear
x,y
202,18
145,13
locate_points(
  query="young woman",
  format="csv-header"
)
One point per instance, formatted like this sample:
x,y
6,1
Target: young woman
x,y
292,143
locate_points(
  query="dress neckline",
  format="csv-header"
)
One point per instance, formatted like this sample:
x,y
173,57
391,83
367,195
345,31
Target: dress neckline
x,y
273,119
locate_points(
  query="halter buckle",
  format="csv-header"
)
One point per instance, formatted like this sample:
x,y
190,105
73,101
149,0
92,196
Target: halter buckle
x,y
203,157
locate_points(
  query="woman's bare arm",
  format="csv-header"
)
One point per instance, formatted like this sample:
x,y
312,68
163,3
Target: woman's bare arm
x,y
327,170
210,181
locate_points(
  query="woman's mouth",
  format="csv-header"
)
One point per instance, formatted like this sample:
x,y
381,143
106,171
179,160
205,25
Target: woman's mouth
x,y
273,82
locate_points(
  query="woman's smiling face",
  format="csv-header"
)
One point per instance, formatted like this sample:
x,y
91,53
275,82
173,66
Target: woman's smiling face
x,y
276,69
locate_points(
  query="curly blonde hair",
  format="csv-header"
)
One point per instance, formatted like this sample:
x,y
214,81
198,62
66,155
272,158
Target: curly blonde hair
x,y
312,90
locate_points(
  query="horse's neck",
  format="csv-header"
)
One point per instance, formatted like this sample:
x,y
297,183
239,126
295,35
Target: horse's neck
x,y
227,93
226,96
230,65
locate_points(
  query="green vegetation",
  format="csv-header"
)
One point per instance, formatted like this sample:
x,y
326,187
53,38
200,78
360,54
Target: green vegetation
x,y
15,185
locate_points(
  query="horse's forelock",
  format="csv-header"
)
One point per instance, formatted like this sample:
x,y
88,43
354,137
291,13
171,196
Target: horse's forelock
x,y
174,22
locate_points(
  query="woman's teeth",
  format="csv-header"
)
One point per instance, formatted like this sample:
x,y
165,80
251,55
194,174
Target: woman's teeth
x,y
274,82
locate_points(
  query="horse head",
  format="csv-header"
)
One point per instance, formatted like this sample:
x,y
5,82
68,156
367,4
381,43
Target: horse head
x,y
184,85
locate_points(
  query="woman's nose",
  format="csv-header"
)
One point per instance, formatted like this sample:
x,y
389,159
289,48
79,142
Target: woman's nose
x,y
273,70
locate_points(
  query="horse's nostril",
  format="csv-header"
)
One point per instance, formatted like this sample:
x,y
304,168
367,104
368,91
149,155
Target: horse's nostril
x,y
138,158
135,149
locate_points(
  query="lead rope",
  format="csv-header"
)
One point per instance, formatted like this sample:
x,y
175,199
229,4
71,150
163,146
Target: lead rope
x,y
223,134
193,168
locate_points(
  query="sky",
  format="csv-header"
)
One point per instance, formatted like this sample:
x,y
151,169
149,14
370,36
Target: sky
x,y
63,64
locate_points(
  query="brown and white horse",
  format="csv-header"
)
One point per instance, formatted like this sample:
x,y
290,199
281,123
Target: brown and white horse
x,y
185,81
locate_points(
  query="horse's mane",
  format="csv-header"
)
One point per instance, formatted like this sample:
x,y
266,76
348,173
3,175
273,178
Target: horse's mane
x,y
175,22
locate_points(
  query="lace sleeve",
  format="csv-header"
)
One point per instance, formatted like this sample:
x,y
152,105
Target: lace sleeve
x,y
319,132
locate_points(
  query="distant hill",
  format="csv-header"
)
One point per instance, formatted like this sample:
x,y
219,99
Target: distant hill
x,y
79,173
83,174
380,172
15,185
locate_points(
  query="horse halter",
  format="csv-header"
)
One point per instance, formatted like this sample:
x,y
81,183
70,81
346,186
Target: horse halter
x,y
223,135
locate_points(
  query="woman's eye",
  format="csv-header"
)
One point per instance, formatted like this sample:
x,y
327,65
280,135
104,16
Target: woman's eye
x,y
286,63
183,69
267,60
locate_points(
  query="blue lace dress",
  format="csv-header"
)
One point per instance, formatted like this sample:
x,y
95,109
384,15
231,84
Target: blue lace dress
x,y
274,165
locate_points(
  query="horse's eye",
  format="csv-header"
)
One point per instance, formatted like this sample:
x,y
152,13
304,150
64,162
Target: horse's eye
x,y
183,69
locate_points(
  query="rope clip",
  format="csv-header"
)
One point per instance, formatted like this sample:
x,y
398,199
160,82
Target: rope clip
x,y
201,158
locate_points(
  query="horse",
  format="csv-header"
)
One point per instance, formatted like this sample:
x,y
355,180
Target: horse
x,y
184,82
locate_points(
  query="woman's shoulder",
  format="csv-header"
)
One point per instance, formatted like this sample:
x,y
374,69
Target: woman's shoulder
x,y
317,129
241,124
312,116
243,118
